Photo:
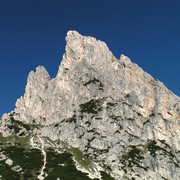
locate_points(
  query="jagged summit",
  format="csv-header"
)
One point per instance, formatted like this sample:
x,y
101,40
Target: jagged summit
x,y
111,110
85,48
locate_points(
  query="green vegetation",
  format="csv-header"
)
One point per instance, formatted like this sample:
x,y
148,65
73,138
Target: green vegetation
x,y
14,140
164,150
99,118
130,119
93,106
88,123
58,164
19,128
62,166
152,114
70,120
146,122
17,125
7,173
82,160
115,117
153,148
17,149
135,155
94,81
139,114
16,128
56,125
106,176
30,162
110,105
86,163
132,158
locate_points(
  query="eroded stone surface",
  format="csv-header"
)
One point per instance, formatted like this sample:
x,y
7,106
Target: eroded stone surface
x,y
112,110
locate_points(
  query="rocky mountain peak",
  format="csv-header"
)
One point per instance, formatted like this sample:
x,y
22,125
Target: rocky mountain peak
x,y
85,48
111,110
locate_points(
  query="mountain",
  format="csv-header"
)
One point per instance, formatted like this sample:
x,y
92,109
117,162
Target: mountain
x,y
99,118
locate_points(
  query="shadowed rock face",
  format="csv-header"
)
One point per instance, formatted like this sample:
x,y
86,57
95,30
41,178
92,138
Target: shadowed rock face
x,y
113,111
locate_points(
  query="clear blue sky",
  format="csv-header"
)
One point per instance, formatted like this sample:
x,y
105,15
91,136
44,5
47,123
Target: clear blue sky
x,y
32,33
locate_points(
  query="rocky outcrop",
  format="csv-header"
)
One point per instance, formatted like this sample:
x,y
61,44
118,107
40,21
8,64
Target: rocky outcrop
x,y
113,111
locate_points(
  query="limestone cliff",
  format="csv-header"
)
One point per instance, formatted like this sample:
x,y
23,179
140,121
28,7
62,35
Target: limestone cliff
x,y
116,114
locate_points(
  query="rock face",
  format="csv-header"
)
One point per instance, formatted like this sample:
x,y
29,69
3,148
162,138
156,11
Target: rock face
x,y
113,111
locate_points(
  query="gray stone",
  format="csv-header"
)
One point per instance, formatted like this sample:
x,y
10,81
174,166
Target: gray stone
x,y
110,109
9,162
16,168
